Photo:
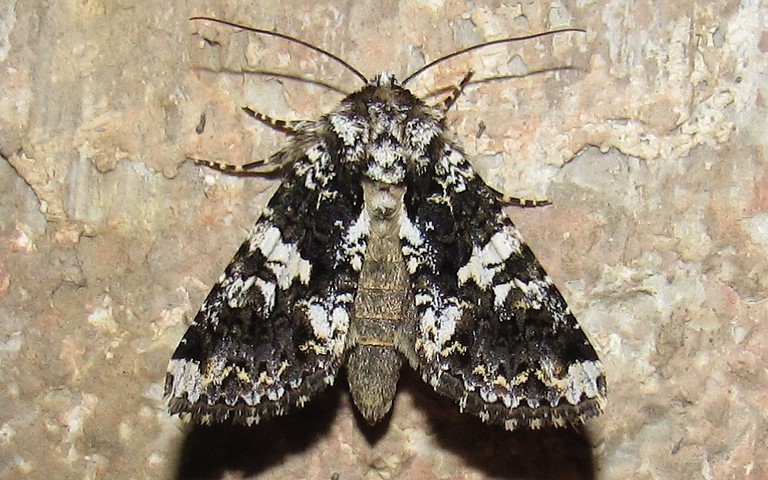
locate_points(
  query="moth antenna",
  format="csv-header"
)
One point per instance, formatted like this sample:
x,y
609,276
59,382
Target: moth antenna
x,y
270,73
497,78
487,44
290,39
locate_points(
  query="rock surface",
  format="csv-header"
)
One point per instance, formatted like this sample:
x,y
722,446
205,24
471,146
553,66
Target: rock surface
x,y
652,150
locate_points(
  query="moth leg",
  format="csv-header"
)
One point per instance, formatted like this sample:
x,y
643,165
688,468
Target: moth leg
x,y
524,202
291,127
454,95
260,167
508,200
505,199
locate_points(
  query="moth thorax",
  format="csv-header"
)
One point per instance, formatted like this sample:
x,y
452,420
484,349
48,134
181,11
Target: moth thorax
x,y
382,201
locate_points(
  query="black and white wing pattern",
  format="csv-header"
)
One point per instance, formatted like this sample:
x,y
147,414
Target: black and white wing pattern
x,y
381,240
272,331
489,330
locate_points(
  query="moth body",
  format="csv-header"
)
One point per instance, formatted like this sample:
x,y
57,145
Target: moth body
x,y
382,244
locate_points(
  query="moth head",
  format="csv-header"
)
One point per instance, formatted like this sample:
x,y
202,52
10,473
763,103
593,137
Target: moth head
x,y
384,79
386,89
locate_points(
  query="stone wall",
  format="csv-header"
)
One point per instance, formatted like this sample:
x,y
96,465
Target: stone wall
x,y
652,150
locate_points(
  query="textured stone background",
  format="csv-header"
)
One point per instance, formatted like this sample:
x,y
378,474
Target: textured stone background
x,y
653,152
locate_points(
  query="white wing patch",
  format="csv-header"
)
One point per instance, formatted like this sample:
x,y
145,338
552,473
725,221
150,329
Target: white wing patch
x,y
329,319
488,260
353,246
283,259
415,248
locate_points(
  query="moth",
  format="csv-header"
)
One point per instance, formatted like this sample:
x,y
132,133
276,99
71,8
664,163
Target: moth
x,y
382,246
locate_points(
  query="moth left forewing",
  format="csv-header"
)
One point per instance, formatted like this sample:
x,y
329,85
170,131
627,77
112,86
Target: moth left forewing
x,y
491,330
272,331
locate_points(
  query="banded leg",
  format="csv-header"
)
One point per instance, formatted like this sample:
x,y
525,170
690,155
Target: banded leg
x,y
506,200
291,127
524,202
520,202
457,90
260,167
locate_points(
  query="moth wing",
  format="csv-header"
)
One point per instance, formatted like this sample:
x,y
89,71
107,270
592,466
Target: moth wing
x,y
488,327
271,332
